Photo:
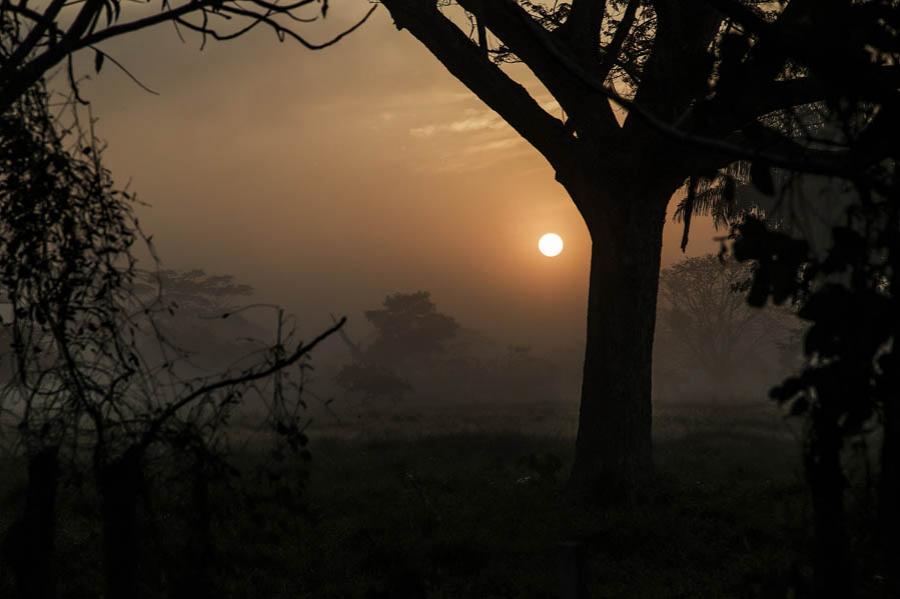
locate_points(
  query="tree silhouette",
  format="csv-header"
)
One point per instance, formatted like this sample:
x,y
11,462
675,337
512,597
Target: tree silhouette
x,y
86,393
848,387
409,332
408,326
40,38
704,313
658,59
206,319
195,291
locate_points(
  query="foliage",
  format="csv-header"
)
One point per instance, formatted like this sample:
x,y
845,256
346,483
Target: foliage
x,y
65,246
847,297
194,291
848,386
639,99
88,387
409,326
409,332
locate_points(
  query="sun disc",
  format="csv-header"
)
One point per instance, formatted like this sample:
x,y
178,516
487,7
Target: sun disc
x,y
550,244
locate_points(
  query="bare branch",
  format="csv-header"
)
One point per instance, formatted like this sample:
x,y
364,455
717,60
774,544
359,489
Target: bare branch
x,y
464,60
27,64
528,40
612,51
150,434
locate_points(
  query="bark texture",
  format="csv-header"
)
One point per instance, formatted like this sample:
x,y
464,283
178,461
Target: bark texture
x,y
613,448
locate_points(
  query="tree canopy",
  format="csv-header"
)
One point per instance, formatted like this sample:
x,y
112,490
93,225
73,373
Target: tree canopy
x,y
655,95
409,325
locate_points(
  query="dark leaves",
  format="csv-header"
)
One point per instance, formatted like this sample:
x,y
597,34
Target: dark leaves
x,y
728,188
761,177
779,258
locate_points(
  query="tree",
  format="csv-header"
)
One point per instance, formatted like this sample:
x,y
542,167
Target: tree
x,y
194,291
409,326
206,319
409,332
38,39
662,55
848,387
86,393
706,317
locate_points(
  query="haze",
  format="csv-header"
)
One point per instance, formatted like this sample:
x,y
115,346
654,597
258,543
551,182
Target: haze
x,y
329,179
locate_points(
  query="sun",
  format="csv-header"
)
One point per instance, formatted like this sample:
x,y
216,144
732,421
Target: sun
x,y
550,244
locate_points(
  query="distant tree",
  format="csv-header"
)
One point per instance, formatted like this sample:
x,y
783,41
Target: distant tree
x,y
409,334
408,326
660,60
706,319
194,291
207,320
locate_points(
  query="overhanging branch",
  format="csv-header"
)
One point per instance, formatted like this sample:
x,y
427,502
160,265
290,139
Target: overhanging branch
x,y
495,88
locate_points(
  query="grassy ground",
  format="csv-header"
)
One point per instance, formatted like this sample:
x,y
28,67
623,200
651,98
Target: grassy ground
x,y
463,501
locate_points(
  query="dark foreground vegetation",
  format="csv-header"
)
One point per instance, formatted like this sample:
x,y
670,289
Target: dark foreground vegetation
x,y
468,501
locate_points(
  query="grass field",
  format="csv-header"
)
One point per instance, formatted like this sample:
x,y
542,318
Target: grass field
x,y
464,501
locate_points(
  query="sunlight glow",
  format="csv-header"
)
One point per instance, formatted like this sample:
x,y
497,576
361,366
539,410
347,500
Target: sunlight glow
x,y
550,244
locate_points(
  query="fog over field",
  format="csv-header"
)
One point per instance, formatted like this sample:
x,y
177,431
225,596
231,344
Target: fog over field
x,y
328,180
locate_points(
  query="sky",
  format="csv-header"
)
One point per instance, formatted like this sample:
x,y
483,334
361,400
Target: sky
x,y
330,179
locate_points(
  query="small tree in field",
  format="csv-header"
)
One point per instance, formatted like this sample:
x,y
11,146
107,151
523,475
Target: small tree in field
x,y
705,318
408,326
409,334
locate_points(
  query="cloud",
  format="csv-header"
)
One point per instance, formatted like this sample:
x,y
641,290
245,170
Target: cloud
x,y
497,144
474,121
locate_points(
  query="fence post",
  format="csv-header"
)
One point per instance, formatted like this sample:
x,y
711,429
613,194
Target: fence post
x,y
572,571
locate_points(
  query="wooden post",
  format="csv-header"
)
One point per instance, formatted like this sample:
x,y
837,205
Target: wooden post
x,y
572,571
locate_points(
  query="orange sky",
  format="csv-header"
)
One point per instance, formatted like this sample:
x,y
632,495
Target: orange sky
x,y
330,179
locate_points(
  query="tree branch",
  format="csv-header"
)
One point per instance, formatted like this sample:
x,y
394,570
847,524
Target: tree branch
x,y
17,76
157,423
528,40
582,28
611,52
495,88
791,155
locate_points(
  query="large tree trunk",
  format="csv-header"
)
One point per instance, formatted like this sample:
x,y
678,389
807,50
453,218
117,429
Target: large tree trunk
x,y
613,448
